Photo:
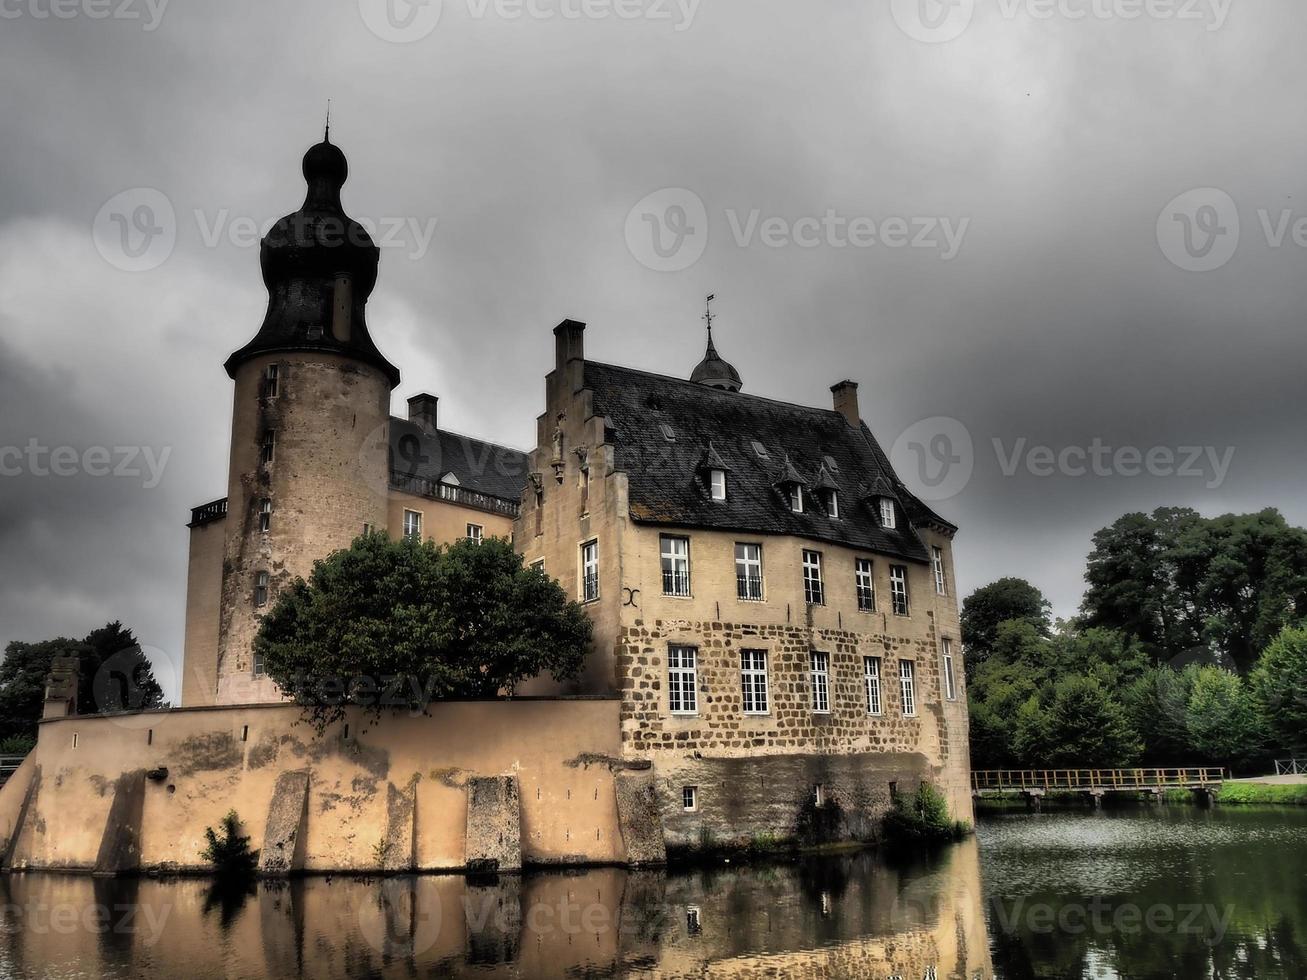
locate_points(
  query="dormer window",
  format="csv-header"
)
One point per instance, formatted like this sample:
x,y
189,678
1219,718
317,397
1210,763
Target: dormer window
x,y
668,432
887,518
833,504
760,450
796,498
717,484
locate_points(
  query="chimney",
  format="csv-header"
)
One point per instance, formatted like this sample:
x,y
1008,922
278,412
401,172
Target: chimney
x,y
846,402
422,411
569,339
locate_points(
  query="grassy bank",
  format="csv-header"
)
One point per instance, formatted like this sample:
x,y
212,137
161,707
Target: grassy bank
x,y
1254,794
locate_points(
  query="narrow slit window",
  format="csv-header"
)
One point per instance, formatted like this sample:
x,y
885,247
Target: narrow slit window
x,y
268,448
261,589
265,515
908,686
937,561
871,675
950,681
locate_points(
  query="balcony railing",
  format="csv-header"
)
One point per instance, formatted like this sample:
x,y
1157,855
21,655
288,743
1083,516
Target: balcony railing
x,y
676,583
749,587
435,490
209,513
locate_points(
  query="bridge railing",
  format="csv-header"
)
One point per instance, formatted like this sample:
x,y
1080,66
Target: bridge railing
x,y
1291,767
994,780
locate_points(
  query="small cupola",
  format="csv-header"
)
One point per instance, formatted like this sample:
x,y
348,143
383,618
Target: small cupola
x,y
713,371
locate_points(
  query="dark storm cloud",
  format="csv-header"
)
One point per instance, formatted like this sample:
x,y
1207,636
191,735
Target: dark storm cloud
x,y
1049,146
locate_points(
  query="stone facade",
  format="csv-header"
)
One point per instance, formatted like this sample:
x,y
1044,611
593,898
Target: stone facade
x,y
754,775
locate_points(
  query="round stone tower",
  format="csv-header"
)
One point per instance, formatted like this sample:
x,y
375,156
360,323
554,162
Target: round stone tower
x,y
309,463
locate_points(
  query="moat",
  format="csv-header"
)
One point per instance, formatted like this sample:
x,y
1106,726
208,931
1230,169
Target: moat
x,y
1140,893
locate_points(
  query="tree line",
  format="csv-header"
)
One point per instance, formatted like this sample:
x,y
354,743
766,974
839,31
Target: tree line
x,y
1190,648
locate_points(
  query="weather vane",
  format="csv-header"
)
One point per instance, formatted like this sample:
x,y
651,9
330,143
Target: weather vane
x,y
708,316
327,135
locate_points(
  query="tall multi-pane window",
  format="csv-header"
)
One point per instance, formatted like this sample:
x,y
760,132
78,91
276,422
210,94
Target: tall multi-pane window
x,y
796,498
950,682
261,588
898,587
748,571
676,565
833,504
908,686
887,513
268,448
413,525
812,587
265,515
682,680
476,533
717,482
256,667
590,571
865,584
271,381
871,676
820,682
937,561
753,678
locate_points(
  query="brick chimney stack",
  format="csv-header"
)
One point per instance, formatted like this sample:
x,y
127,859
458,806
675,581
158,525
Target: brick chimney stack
x,y
569,339
422,411
846,401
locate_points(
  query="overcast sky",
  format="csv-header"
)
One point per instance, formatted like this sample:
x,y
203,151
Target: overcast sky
x,y
1038,292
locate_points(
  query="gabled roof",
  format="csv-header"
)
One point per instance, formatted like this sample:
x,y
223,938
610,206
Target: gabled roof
x,y
483,467
667,488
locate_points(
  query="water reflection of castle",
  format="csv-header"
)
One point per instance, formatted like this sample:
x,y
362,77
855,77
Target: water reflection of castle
x,y
855,916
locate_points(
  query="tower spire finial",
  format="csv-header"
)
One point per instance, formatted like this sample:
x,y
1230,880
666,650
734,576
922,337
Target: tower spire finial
x,y
326,136
709,317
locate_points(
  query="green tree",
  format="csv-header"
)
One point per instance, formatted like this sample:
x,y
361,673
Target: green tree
x,y
400,624
1082,726
115,675
1279,685
989,606
1222,718
1157,704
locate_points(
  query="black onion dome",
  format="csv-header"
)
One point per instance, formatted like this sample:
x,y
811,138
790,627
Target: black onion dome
x,y
309,258
715,372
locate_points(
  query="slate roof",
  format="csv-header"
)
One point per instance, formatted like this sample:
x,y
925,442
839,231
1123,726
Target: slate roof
x,y
667,486
483,467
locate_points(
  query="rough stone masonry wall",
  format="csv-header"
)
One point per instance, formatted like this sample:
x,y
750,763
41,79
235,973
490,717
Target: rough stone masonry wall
x,y
756,774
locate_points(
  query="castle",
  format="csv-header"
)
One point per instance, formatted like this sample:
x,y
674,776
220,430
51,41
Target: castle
x,y
776,636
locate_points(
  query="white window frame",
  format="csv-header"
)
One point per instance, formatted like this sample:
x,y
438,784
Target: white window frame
x,y
908,687
476,533
257,667
754,689
682,679
833,504
590,571
265,515
690,799
796,498
819,677
717,484
744,564
272,381
950,678
814,591
864,583
268,447
675,565
900,602
871,674
413,525
262,580
937,561
887,515
538,563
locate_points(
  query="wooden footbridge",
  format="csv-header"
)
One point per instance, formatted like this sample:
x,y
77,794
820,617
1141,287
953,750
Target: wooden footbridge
x,y
1034,784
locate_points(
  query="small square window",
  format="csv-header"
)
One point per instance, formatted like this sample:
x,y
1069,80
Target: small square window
x,y
476,533
690,798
